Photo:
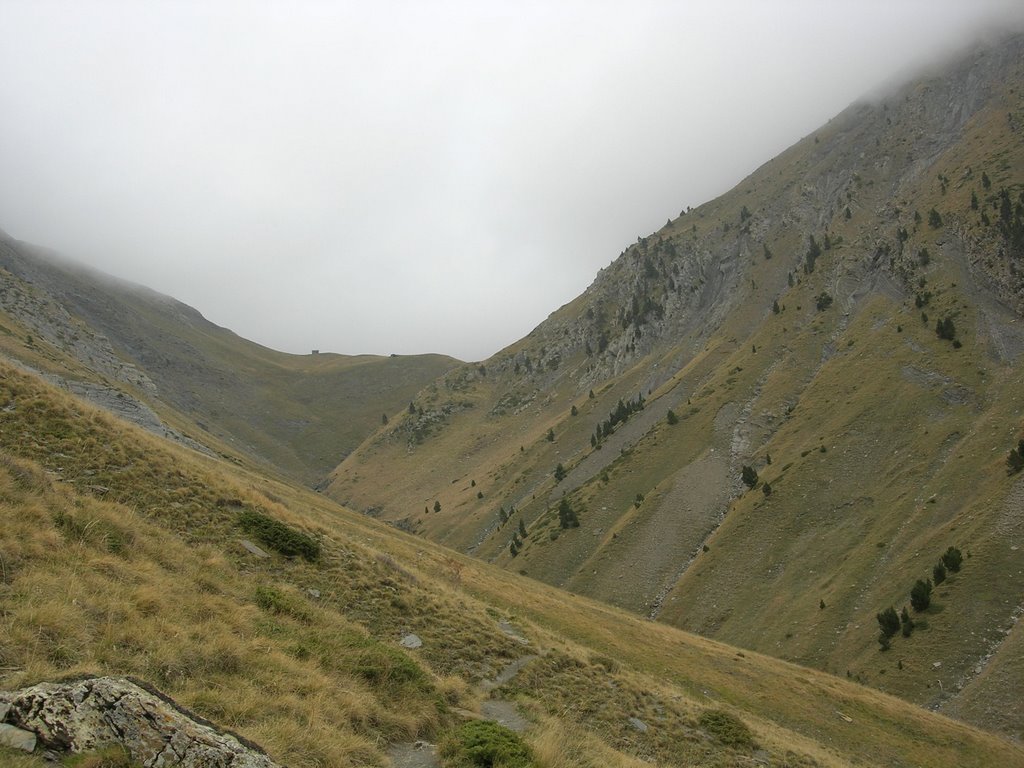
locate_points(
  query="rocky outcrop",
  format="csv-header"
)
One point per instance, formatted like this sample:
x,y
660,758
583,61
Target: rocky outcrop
x,y
96,712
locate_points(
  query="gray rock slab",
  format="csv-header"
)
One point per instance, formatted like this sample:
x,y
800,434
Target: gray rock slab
x,y
81,715
252,548
638,724
16,738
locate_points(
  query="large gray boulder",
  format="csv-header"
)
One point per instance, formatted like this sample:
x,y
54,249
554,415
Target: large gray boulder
x,y
85,714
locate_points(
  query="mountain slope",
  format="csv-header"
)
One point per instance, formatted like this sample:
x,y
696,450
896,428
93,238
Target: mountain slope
x,y
300,413
122,555
789,326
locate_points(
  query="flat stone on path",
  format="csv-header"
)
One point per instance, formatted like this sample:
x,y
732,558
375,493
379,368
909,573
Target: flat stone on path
x,y
504,713
513,631
417,754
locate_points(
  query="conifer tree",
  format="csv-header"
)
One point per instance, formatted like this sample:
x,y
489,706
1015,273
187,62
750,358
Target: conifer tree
x,y
888,621
921,595
952,559
567,515
906,623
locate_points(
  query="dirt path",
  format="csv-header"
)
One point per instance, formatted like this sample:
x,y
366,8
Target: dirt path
x,y
422,754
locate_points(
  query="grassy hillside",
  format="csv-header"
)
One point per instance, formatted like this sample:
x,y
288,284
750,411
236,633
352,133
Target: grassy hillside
x,y
121,554
789,326
298,413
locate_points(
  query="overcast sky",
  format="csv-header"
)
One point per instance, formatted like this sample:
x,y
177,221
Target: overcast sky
x,y
400,177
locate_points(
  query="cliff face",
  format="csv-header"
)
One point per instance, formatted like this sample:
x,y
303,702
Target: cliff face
x,y
846,322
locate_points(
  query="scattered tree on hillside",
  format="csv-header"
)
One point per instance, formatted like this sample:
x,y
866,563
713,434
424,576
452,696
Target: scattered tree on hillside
x,y
671,417
813,252
906,623
384,419
567,517
551,435
522,528
573,411
945,329
513,548
953,559
749,476
623,410
986,183
974,201
822,301
921,595
412,408
938,573
767,251
1015,461
766,489
745,214
437,506
560,473
502,516
888,621
934,219
775,307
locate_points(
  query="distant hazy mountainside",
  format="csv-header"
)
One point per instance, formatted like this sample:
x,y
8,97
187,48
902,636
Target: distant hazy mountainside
x,y
133,350
847,323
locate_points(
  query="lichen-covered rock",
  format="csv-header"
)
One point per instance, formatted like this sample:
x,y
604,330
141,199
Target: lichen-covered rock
x,y
95,712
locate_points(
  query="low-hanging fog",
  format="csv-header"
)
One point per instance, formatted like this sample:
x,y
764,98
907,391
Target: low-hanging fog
x,y
400,177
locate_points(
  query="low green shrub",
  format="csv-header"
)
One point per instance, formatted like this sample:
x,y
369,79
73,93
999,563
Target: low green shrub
x,y
726,728
485,744
278,536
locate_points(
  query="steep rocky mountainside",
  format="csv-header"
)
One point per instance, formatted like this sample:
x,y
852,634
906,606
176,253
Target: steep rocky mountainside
x,y
136,351
847,323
